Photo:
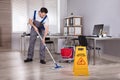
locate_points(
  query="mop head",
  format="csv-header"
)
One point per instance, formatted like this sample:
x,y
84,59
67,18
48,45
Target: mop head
x,y
57,66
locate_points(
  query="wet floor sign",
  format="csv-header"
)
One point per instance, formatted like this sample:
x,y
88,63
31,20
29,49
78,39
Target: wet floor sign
x,y
80,66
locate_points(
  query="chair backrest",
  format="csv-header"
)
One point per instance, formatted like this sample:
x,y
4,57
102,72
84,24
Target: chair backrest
x,y
47,39
82,40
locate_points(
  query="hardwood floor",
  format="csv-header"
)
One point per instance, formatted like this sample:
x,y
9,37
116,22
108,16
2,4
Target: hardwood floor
x,y
12,67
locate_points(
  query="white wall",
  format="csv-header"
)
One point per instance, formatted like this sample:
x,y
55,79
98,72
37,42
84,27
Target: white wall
x,y
97,11
52,14
94,12
63,14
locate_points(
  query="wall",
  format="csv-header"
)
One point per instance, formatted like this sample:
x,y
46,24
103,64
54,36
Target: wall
x,y
97,12
52,14
63,14
5,24
0,37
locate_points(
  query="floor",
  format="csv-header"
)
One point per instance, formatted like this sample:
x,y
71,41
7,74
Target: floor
x,y
12,67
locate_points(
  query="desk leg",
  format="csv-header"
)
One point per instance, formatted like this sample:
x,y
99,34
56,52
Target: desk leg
x,y
94,52
24,46
21,44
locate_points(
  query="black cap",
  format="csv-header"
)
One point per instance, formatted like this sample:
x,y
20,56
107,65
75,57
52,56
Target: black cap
x,y
43,9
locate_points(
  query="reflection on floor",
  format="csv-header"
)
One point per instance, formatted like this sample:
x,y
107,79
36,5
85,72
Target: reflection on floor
x,y
12,67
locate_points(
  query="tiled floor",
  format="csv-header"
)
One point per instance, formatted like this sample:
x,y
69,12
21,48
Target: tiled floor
x,y
12,67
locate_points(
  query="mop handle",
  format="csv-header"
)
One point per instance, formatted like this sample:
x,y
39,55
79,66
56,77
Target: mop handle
x,y
46,48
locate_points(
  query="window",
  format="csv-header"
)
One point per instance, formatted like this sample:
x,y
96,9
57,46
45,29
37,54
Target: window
x,y
22,10
19,15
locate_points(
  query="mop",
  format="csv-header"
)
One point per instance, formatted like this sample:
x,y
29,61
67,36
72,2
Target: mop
x,y
56,65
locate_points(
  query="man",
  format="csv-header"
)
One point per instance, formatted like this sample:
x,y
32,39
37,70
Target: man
x,y
42,14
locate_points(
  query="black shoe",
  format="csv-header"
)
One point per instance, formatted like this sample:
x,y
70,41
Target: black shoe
x,y
28,60
42,62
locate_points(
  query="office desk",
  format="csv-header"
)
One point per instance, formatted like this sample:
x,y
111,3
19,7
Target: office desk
x,y
95,39
61,36
24,36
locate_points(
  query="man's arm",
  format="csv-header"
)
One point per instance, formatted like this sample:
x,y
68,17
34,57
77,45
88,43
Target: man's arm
x,y
46,32
31,23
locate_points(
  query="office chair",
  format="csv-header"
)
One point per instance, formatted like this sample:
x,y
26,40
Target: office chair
x,y
48,41
83,42
97,48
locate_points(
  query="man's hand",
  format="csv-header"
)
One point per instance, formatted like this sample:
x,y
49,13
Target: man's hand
x,y
43,41
36,29
30,22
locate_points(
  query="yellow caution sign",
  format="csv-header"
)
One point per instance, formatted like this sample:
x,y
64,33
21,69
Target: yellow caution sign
x,y
80,62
